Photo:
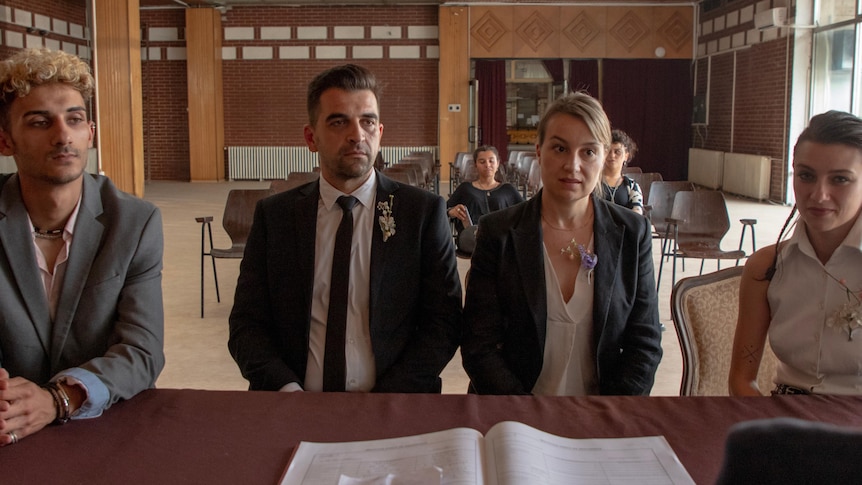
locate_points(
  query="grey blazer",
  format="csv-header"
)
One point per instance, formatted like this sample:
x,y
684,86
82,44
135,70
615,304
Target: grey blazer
x,y
505,313
110,319
415,292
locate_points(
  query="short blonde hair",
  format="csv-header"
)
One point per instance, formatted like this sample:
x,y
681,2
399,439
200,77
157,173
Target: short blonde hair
x,y
30,68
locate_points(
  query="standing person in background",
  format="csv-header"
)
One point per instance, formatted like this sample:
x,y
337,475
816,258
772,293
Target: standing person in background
x,y
561,297
616,187
486,194
380,312
81,317
805,293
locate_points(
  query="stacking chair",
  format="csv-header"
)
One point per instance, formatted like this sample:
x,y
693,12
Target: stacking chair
x,y
661,197
630,170
430,163
465,242
237,219
402,177
423,174
534,180
456,168
293,180
660,202
524,164
512,165
698,223
645,180
704,310
414,173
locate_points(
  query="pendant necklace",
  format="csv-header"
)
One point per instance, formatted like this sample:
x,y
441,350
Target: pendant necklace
x,y
573,248
612,191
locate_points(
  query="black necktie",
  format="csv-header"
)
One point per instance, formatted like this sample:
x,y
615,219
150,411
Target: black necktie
x,y
334,366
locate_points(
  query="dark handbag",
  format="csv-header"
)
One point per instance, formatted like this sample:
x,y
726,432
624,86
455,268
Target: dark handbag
x,y
467,239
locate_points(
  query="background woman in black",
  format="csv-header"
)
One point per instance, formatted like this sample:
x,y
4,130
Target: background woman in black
x,y
472,200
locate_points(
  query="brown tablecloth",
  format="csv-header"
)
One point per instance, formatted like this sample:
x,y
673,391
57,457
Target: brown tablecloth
x,y
229,437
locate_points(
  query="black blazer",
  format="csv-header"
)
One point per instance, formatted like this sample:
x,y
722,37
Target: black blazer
x,y
415,292
505,314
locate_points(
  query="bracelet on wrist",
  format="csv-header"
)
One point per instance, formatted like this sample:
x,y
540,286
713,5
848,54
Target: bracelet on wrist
x,y
61,402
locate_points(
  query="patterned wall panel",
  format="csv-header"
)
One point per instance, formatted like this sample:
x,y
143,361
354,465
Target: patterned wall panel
x,y
491,32
537,32
630,33
674,32
581,32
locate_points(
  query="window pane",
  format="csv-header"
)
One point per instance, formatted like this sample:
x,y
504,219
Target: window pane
x,y
833,69
834,11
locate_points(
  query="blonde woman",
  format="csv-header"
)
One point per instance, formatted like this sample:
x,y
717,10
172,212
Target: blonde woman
x,y
561,295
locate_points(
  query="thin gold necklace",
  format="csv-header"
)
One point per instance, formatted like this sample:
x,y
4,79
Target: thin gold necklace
x,y
589,221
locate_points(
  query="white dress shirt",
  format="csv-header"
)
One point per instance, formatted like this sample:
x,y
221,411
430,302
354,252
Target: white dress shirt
x,y
814,353
359,357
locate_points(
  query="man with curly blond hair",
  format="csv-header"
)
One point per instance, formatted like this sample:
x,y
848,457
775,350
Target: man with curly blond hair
x,y
81,317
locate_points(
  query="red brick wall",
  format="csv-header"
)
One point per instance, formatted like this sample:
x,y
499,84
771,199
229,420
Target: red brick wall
x,y
165,103
761,126
747,101
68,10
750,119
264,101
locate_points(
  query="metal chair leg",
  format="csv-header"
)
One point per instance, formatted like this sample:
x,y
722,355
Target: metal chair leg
x,y
746,223
215,273
206,228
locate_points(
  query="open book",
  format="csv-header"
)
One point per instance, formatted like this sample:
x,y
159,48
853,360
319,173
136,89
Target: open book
x,y
510,453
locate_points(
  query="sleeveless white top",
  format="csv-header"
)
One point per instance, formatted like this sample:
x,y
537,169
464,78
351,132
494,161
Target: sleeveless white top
x,y
813,344
569,362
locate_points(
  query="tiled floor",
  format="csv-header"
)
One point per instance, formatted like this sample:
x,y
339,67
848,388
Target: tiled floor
x,y
196,348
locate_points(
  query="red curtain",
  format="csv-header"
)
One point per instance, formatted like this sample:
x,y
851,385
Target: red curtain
x,y
584,76
651,100
492,105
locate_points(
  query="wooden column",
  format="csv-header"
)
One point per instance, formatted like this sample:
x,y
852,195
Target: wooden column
x,y
206,104
454,83
119,115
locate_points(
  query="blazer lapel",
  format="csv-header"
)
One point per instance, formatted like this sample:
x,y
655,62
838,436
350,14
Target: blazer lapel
x,y
527,243
608,238
85,247
305,228
379,248
17,245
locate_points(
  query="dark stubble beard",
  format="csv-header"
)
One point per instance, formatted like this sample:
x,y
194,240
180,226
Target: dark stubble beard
x,y
65,179
353,170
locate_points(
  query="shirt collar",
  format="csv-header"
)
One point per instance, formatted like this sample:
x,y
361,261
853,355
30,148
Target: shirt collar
x,y
365,193
69,228
800,238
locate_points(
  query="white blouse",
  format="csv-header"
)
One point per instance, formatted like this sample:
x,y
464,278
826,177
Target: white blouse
x,y
816,349
569,362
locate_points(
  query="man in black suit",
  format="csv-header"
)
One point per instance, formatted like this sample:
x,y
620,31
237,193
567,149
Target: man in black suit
x,y
403,301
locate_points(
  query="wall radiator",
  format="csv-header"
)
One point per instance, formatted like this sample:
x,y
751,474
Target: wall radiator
x,y
747,175
268,163
706,167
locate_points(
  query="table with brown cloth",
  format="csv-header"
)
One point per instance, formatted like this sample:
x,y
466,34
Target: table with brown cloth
x,y
232,437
